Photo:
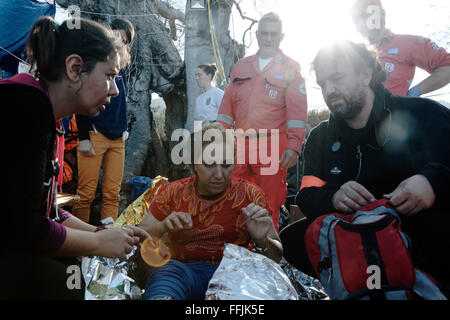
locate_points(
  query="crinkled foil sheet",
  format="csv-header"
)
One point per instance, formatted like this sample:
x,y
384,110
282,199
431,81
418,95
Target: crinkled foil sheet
x,y
308,288
107,279
245,275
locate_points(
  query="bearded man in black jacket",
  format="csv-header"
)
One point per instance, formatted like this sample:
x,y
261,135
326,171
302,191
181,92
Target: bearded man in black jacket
x,y
377,145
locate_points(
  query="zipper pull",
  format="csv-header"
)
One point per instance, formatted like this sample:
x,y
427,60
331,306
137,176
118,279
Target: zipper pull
x,y
358,152
330,273
359,157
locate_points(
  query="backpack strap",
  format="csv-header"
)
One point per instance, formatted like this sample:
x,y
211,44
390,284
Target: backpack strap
x,y
375,294
25,79
326,269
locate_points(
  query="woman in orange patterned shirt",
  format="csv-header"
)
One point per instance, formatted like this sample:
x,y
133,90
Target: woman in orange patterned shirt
x,y
200,214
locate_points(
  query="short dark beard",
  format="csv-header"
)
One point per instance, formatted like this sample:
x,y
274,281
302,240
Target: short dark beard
x,y
352,107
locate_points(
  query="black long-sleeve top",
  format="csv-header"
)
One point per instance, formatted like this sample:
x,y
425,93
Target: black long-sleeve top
x,y
28,134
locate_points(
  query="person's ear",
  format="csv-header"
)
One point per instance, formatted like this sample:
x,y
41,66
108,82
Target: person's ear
x,y
367,74
282,37
74,65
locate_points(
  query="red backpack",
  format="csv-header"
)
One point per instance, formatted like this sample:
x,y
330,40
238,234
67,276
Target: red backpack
x,y
365,255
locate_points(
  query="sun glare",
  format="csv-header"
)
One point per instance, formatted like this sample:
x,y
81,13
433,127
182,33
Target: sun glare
x,y
309,25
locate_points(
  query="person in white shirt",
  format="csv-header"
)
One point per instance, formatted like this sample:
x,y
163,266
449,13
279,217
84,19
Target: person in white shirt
x,y
208,103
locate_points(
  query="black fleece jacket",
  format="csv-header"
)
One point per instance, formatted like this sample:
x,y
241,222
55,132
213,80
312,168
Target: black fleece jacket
x,y
403,137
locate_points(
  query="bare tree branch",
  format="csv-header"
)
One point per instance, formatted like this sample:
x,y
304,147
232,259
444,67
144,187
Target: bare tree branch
x,y
244,17
167,11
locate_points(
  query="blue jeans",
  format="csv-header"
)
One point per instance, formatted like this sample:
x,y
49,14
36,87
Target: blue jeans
x,y
179,281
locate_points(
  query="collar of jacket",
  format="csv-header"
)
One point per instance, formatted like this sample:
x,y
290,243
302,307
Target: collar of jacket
x,y
388,36
278,58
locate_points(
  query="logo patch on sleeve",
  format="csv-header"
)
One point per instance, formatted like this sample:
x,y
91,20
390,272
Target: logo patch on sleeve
x,y
278,76
389,67
393,51
435,46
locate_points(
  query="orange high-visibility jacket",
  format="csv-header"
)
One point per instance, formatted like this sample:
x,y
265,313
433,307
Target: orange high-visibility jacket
x,y
272,99
400,54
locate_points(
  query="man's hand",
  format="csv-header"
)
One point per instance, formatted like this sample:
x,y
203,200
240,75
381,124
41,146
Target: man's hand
x,y
412,195
86,148
351,196
288,159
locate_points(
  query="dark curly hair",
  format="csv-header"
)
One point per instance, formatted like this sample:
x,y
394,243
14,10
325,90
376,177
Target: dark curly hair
x,y
209,69
356,55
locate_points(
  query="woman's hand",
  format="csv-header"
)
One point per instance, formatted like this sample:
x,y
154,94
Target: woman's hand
x,y
119,242
259,223
261,229
177,221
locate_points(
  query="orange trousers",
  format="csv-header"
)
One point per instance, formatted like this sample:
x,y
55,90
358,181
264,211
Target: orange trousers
x,y
267,176
110,157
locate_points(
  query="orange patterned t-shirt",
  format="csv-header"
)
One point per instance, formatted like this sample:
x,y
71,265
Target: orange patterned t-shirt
x,y
215,222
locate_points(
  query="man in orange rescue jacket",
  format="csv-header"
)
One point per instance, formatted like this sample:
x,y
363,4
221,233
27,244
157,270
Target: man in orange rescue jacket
x,y
266,103
400,54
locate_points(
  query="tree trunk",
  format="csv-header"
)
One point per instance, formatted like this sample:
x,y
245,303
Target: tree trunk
x,y
199,49
156,67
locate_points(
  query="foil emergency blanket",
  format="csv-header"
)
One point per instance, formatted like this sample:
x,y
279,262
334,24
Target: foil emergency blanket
x,y
308,288
107,279
137,210
245,275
